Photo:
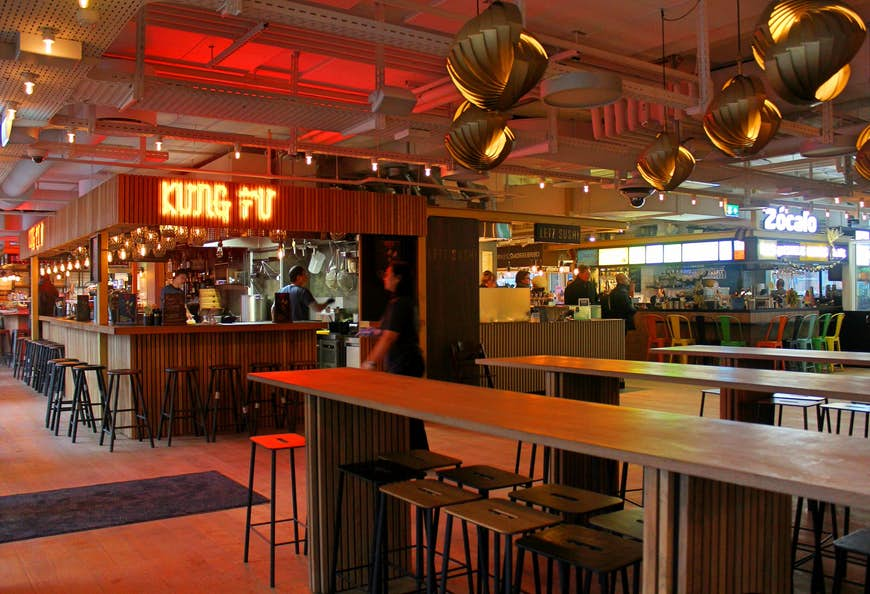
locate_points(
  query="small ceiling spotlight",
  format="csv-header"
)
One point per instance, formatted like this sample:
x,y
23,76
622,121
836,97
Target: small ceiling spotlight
x,y
694,201
836,199
71,136
827,214
586,188
427,170
29,79
309,158
11,109
158,143
542,184
85,4
592,238
237,151
861,204
661,196
721,203
47,38
374,164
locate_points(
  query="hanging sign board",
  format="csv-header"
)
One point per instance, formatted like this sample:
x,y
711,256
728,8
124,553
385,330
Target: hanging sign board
x,y
547,233
779,219
520,256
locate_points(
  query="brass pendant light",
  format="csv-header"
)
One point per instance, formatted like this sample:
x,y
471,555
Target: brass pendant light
x,y
479,139
493,61
665,163
862,159
741,120
805,46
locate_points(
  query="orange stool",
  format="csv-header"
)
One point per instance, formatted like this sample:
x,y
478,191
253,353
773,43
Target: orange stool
x,y
274,443
774,341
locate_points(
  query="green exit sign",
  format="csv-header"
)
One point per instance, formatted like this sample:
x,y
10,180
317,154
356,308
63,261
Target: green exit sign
x,y
732,210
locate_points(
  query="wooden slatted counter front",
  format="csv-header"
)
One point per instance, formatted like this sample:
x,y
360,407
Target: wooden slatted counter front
x,y
703,476
154,348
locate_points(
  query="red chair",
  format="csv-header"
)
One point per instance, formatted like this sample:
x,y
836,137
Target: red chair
x,y
653,338
779,323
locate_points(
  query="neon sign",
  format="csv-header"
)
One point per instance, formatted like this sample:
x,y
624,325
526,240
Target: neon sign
x,y
36,237
781,220
180,199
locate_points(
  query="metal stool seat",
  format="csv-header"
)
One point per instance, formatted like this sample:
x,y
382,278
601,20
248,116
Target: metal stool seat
x,y
82,403
137,407
590,552
57,402
626,522
171,393
421,460
856,543
574,504
780,400
274,444
852,408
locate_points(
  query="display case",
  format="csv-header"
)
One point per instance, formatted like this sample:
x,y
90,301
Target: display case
x,y
857,292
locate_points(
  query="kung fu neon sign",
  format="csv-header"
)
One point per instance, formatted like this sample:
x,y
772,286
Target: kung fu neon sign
x,y
215,201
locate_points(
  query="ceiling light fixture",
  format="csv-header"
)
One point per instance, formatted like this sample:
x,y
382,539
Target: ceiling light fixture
x,y
29,79
374,164
48,38
427,170
479,140
661,196
237,151
308,158
542,184
862,159
71,136
158,143
694,201
586,188
84,3
836,199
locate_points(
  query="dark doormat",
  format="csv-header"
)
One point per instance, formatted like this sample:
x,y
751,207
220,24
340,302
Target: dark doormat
x,y
46,513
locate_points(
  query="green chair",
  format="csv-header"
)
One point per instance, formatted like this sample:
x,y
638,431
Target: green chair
x,y
730,331
804,338
818,341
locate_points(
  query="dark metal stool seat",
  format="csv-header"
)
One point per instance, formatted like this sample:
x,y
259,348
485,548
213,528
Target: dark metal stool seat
x,y
856,543
172,393
574,504
375,474
57,401
82,404
590,552
256,396
484,478
19,339
137,407
504,520
55,384
224,384
275,443
6,346
626,522
428,497
421,460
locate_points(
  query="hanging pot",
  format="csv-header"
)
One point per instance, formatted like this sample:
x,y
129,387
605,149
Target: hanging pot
x,y
331,280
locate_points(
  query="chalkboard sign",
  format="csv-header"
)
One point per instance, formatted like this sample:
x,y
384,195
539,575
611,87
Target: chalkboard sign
x,y
283,313
123,310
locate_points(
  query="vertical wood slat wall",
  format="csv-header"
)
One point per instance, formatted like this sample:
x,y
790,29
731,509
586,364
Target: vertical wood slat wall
x,y
363,435
589,338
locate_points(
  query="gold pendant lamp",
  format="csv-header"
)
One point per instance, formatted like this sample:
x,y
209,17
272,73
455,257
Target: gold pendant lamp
x,y
493,61
479,139
862,159
665,163
805,46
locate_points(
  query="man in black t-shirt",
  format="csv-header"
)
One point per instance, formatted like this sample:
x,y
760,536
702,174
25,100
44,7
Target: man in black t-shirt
x,y
301,299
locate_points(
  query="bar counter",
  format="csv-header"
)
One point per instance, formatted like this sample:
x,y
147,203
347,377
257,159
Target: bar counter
x,y
154,348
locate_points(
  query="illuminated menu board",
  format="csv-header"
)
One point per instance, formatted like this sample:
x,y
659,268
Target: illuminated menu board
x,y
702,251
673,253
613,257
655,254
726,251
637,254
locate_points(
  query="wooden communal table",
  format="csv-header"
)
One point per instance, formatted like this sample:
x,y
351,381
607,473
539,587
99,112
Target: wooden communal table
x,y
741,388
718,493
735,353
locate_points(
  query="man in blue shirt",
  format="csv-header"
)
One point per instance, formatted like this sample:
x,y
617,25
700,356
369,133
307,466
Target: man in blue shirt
x,y
301,299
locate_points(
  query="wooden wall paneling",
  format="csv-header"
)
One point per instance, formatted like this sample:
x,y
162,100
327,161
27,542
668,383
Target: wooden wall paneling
x,y
452,307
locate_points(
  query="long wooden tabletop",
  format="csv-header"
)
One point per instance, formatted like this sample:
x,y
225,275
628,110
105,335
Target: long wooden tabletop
x,y
857,359
846,387
829,468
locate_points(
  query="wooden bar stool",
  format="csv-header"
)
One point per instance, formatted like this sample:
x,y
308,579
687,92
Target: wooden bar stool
x,y
590,552
82,403
138,409
224,384
504,520
274,444
256,396
626,522
19,342
57,401
171,393
55,384
421,460
428,497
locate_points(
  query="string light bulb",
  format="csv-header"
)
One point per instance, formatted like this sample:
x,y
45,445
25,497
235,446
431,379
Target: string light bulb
x,y
694,201
721,204
42,270
219,252
280,251
542,184
48,38
374,164
71,136
836,199
427,171
237,151
661,196
586,188
861,203
55,268
309,158
827,214
158,143
110,257
592,238
122,253
87,262
29,79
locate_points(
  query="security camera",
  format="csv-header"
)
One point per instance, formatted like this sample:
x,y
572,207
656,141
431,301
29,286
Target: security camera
x,y
37,155
637,201
636,191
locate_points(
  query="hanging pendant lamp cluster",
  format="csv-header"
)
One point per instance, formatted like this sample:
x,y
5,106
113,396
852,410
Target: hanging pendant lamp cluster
x,y
805,46
862,159
665,163
493,62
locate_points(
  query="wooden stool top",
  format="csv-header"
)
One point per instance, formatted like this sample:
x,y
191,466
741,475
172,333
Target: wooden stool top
x,y
502,516
89,367
628,522
188,369
224,366
279,441
483,477
70,363
124,371
856,542
264,366
567,500
380,472
584,547
428,493
420,459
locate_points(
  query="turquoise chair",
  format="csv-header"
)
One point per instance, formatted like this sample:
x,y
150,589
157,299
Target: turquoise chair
x,y
731,331
804,338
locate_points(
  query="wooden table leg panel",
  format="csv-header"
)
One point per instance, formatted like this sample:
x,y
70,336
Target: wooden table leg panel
x,y
708,536
339,433
741,405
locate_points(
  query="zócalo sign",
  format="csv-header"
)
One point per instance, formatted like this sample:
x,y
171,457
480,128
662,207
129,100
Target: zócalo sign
x,y
779,219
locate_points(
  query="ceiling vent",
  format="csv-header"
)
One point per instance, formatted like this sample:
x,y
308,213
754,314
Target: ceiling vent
x,y
394,101
582,89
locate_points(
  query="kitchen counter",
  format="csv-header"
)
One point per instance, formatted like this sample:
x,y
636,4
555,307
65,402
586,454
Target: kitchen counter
x,y
135,329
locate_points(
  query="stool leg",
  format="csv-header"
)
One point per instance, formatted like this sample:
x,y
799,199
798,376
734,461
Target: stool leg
x,y
139,401
508,563
431,540
418,548
448,535
272,524
293,506
840,556
108,421
377,561
564,577
163,404
250,501
336,534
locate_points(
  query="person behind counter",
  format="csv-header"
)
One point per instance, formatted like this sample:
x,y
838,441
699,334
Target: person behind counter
x,y
523,280
48,296
301,299
487,280
581,288
399,341
620,304
779,294
175,287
